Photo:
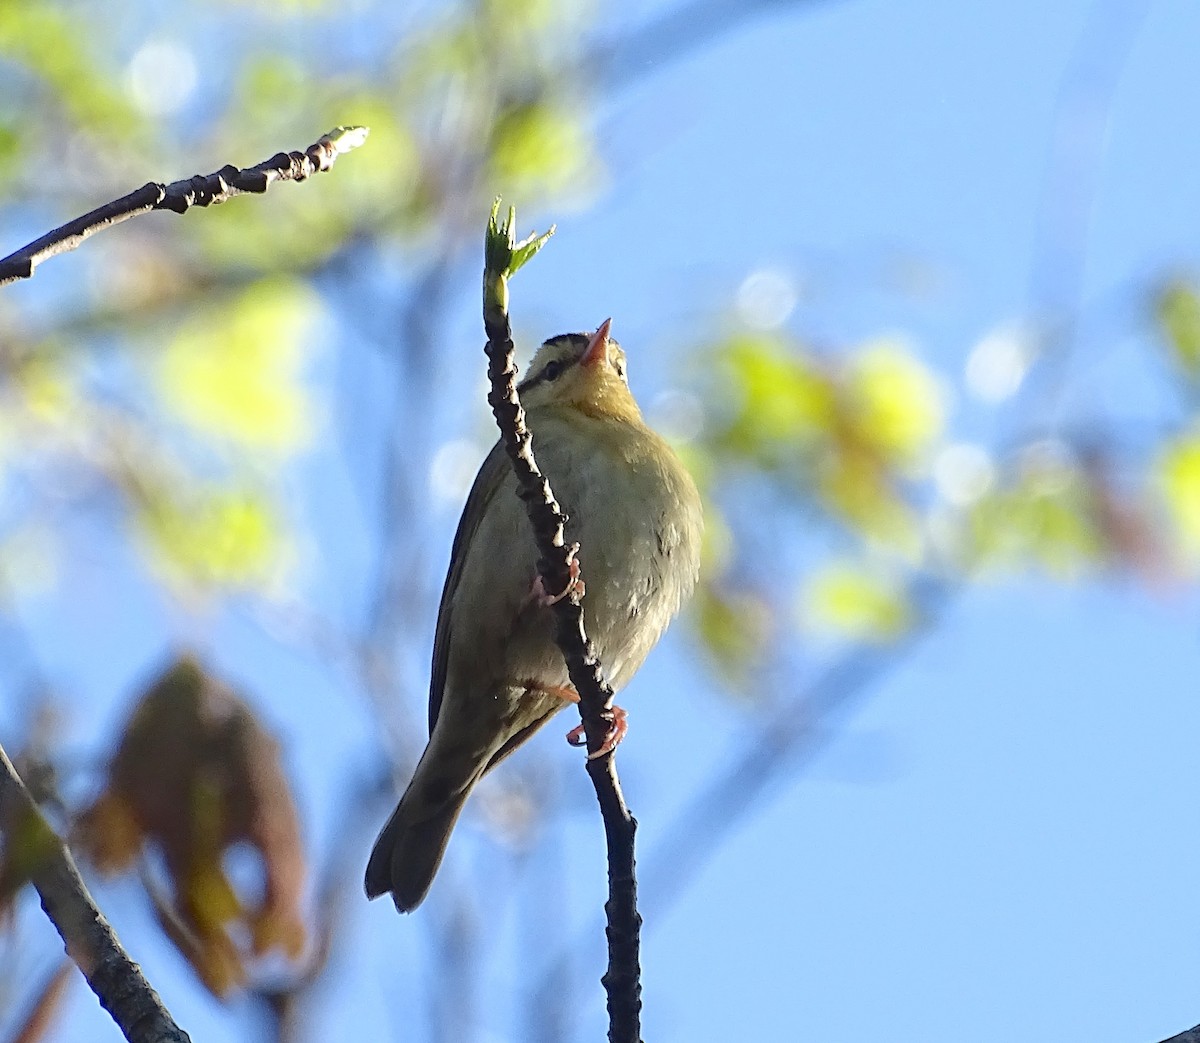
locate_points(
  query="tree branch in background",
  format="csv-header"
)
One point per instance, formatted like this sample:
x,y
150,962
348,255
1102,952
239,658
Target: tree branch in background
x,y
622,981
37,1023
89,938
179,196
1192,1035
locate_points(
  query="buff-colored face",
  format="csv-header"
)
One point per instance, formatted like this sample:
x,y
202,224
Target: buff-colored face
x,y
585,370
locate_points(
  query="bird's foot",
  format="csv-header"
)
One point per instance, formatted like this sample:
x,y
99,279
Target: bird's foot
x,y
575,585
618,725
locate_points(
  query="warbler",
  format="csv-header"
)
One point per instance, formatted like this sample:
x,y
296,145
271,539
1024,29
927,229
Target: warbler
x,y
498,674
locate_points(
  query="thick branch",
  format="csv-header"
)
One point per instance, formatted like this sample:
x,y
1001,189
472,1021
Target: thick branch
x,y
180,196
622,981
89,938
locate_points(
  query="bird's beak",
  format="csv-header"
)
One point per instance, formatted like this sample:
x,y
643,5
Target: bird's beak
x,y
597,349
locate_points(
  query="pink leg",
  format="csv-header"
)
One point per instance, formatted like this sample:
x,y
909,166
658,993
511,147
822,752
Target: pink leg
x,y
567,695
575,585
618,726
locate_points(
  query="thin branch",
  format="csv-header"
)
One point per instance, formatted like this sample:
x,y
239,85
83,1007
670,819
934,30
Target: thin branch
x,y
180,196
622,980
673,35
1065,213
794,731
88,937
1192,1035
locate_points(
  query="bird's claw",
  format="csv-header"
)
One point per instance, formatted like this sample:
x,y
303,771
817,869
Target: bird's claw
x,y
575,585
618,725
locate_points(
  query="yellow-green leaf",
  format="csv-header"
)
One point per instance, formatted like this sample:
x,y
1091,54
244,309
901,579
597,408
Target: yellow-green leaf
x,y
783,399
1037,524
539,147
236,373
226,537
854,486
854,601
897,401
1179,312
734,626
1179,475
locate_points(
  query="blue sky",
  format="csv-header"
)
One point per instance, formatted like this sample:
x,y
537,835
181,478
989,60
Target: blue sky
x,y
997,842
999,839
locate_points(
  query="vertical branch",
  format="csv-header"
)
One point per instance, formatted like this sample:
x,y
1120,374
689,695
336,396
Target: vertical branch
x,y
89,938
622,980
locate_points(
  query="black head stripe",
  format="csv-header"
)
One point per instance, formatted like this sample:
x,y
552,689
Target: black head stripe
x,y
551,370
577,341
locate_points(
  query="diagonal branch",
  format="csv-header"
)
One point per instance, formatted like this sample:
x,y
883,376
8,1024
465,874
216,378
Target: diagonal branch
x,y
622,981
180,196
89,938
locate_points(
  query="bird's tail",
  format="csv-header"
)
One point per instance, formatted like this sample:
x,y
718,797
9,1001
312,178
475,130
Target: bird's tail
x,y
410,847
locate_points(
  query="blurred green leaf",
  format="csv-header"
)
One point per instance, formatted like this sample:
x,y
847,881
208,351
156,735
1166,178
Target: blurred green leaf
x,y
236,372
11,141
855,487
857,602
1178,470
1178,310
782,400
1036,523
735,628
541,148
897,402
223,537
51,42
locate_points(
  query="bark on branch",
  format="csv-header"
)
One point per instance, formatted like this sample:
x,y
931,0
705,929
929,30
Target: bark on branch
x,y
180,196
88,937
622,981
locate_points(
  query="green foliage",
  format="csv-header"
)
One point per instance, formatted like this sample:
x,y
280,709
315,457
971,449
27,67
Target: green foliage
x,y
819,467
46,43
1178,311
212,536
1178,471
1031,523
895,401
856,601
783,402
504,256
735,628
539,148
234,371
842,434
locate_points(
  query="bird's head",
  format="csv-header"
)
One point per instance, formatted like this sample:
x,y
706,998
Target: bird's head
x,y
584,371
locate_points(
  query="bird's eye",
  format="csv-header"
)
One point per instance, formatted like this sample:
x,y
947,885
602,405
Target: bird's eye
x,y
553,369
621,370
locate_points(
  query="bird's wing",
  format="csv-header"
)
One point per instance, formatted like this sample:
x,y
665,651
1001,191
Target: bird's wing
x,y
487,482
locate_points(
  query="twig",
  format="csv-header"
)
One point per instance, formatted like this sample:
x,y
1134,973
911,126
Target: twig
x,y
622,981
792,733
179,196
89,938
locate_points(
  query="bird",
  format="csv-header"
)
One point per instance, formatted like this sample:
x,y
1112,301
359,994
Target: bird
x,y
497,674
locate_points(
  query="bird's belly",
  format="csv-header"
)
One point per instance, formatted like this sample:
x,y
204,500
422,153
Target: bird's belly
x,y
628,602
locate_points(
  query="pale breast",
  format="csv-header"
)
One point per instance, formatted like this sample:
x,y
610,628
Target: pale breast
x,y
634,511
